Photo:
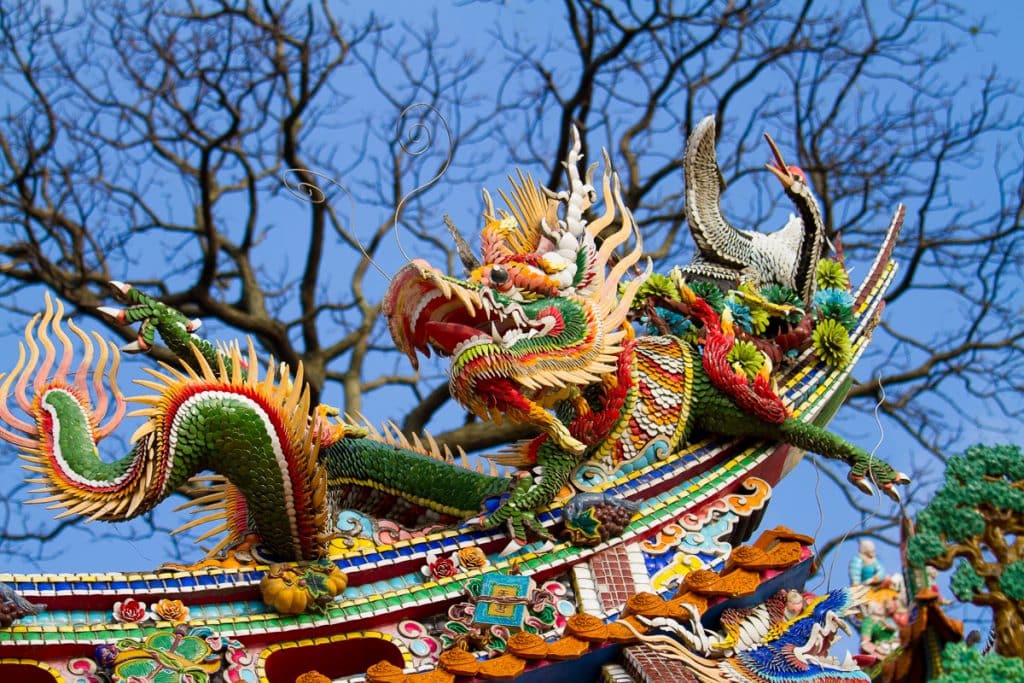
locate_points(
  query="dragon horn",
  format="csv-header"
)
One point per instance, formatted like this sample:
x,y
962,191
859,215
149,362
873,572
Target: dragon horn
x,y
470,261
489,205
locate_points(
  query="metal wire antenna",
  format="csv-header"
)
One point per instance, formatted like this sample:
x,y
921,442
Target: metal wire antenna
x,y
876,513
419,133
308,191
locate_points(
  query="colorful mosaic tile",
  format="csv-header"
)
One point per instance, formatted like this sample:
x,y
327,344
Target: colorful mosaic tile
x,y
668,504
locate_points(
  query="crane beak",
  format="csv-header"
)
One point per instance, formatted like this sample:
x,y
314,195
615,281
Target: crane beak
x,y
778,167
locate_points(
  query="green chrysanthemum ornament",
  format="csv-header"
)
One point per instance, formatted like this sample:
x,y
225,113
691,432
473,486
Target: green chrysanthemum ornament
x,y
659,285
832,275
710,293
784,296
744,357
759,319
704,290
832,343
656,285
779,294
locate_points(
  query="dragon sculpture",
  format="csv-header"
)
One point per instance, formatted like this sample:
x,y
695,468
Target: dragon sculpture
x,y
765,643
726,255
537,334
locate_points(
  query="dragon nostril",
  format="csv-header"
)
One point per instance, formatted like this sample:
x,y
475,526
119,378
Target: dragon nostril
x,y
498,275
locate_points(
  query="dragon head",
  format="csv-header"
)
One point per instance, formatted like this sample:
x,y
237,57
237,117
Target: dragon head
x,y
540,316
771,640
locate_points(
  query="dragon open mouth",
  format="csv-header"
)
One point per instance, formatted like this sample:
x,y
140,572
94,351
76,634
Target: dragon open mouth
x,y
815,652
428,310
510,358
541,315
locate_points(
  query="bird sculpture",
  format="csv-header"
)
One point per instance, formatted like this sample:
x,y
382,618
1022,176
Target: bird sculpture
x,y
725,254
14,607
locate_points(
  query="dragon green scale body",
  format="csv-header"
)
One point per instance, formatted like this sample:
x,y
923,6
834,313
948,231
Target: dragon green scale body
x,y
538,332
224,427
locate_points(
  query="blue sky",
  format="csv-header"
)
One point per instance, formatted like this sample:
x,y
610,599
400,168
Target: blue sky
x,y
824,512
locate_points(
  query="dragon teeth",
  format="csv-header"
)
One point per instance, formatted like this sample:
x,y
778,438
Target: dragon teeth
x,y
510,338
475,340
423,303
464,297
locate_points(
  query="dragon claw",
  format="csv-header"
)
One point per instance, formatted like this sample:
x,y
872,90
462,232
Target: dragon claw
x,y
861,483
657,622
513,546
475,522
115,314
886,478
356,432
137,346
519,523
120,287
892,493
154,316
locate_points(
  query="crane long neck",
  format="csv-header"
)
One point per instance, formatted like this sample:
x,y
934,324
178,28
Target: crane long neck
x,y
811,246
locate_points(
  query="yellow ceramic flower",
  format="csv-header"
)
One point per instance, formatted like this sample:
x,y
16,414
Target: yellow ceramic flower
x,y
171,610
472,557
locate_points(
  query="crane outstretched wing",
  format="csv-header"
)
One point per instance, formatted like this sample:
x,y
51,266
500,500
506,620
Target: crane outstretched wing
x,y
717,240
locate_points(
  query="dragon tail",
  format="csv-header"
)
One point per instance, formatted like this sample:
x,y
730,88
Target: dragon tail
x,y
256,433
72,476
266,449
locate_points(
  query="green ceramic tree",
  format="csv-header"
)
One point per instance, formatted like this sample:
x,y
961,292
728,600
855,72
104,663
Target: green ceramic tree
x,y
977,520
963,664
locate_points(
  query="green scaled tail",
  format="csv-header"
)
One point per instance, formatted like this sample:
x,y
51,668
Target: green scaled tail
x,y
254,433
363,471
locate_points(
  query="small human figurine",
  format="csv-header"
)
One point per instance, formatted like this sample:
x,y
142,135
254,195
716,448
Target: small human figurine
x,y
865,569
795,604
932,577
900,614
879,631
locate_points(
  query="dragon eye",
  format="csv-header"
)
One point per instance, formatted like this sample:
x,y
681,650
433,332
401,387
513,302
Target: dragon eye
x,y
498,276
